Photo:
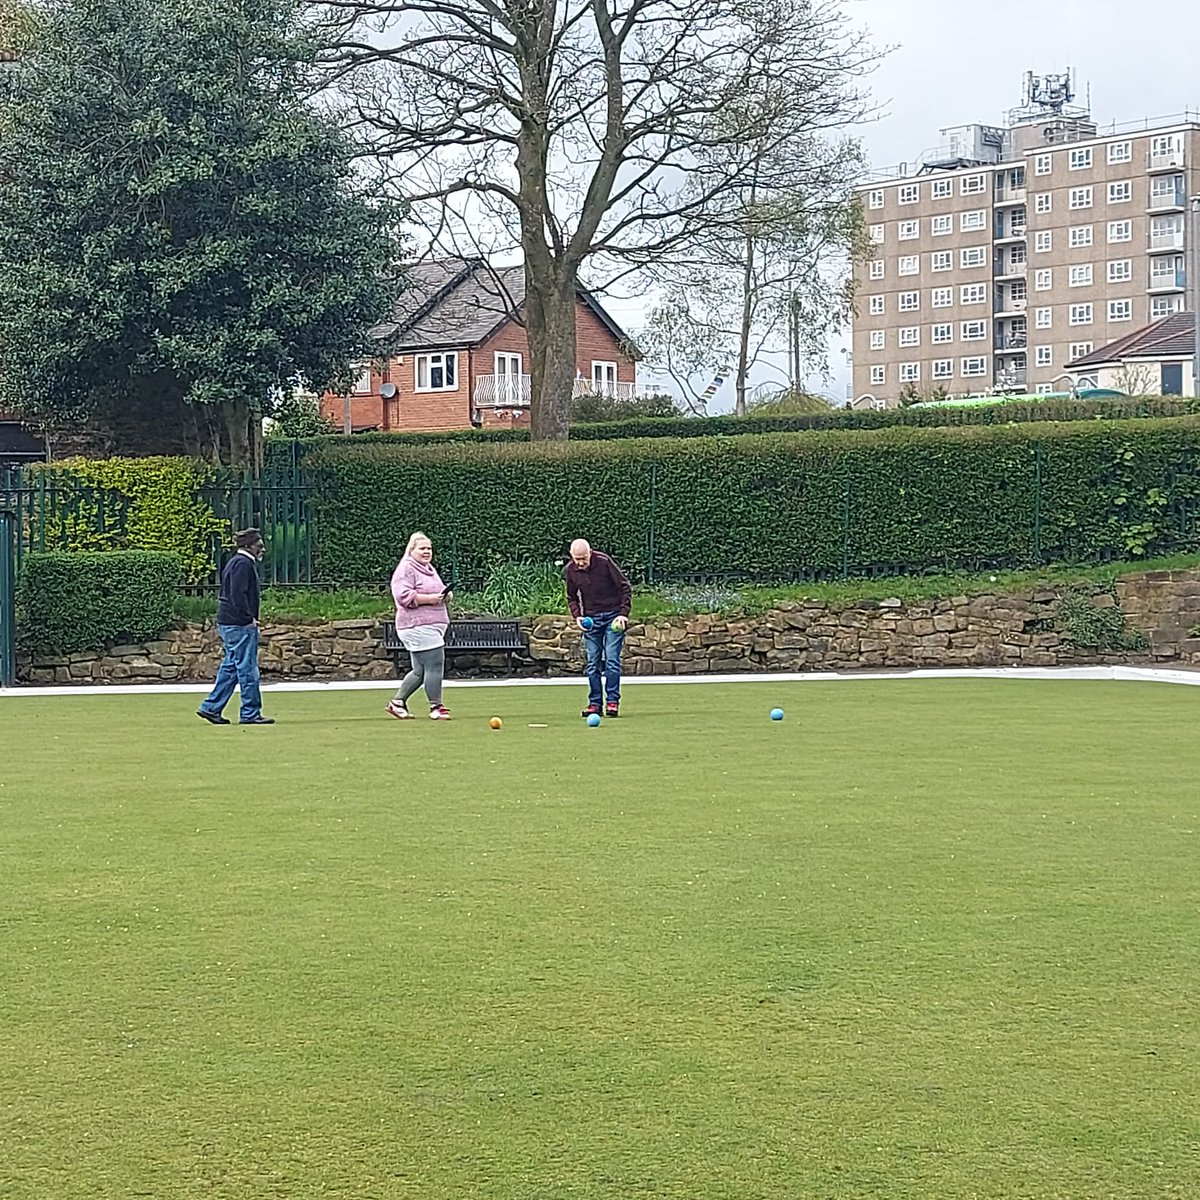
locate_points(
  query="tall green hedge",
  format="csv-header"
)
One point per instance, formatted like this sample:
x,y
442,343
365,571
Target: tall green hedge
x,y
1059,409
777,506
166,509
69,602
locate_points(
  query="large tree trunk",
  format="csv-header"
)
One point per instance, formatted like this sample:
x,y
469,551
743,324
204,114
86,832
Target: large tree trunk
x,y
740,406
550,326
237,423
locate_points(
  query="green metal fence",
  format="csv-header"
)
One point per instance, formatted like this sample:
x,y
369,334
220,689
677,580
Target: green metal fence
x,y
8,597
278,501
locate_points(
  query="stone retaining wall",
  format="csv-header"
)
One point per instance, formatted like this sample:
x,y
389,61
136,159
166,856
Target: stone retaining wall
x,y
1020,629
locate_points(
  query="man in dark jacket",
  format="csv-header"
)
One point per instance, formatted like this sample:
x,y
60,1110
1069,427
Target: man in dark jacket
x,y
599,597
237,623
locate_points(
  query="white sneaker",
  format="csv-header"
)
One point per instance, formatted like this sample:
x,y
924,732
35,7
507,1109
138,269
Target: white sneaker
x,y
439,712
399,711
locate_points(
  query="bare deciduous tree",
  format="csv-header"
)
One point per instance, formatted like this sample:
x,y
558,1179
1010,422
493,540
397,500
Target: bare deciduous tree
x,y
595,137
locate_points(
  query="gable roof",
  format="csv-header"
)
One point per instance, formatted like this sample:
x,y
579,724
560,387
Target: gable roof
x,y
1168,337
451,303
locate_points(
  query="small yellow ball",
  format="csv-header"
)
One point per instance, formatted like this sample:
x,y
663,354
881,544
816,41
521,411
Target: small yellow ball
x,y
495,722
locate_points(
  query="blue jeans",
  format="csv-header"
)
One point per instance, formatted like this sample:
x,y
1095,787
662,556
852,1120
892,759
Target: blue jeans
x,y
239,669
603,644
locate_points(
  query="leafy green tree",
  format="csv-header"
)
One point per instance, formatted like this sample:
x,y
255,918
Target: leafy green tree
x,y
182,233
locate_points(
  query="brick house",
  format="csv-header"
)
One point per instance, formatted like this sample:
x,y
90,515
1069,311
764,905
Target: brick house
x,y
460,357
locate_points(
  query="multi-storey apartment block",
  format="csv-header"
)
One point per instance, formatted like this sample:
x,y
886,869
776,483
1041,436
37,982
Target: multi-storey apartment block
x,y
1018,249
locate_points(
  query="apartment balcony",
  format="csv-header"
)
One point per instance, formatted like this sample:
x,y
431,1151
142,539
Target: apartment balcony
x,y
1012,270
1007,196
1165,162
1163,242
1011,233
1174,201
1012,343
1167,281
1006,306
1012,377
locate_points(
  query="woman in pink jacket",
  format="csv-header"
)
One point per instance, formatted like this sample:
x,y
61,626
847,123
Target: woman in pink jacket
x,y
421,622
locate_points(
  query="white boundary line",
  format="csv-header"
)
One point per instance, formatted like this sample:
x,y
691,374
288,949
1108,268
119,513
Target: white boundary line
x,y
1122,674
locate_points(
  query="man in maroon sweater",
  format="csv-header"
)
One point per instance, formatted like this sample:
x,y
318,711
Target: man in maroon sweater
x,y
598,591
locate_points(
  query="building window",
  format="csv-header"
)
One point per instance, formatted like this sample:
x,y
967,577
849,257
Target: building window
x,y
1043,241
436,372
1166,232
1081,275
943,297
942,334
362,385
878,375
1079,235
875,199
970,221
939,226
908,264
1166,188
1120,152
1016,289
973,293
1165,151
1164,306
1120,231
908,193
1120,192
910,372
1043,281
974,367
877,269
876,234
875,305
604,378
973,331
1043,318
1165,269
1080,197
1043,164
943,260
1043,202
972,185
1016,256
1080,314
910,301
910,336
1044,356
1078,350
1079,158
908,230
943,368
877,339
973,256
1120,310
1120,270
943,188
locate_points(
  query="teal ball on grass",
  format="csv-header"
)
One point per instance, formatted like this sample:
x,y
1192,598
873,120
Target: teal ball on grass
x,y
777,714
593,719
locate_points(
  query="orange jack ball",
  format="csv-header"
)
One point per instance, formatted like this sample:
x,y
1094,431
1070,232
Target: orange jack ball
x,y
495,722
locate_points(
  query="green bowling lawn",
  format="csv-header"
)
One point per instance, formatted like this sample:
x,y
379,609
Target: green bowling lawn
x,y
920,939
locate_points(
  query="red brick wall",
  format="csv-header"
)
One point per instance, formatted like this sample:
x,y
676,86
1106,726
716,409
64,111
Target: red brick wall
x,y
413,411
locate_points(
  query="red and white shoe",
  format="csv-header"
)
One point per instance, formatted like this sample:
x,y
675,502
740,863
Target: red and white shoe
x,y
439,712
399,711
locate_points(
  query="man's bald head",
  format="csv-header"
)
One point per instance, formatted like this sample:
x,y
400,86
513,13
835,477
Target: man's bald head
x,y
581,553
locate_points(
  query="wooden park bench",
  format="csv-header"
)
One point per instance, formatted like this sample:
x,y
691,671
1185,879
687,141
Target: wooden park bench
x,y
474,636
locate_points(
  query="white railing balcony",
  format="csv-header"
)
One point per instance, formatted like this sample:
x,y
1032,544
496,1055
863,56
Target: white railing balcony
x,y
1167,281
610,390
1176,198
1165,162
1167,241
502,391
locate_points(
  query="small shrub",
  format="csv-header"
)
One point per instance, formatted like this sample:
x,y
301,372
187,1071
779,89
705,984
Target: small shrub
x,y
1090,623
73,602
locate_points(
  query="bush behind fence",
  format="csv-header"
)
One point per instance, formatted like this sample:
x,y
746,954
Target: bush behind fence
x,y
775,507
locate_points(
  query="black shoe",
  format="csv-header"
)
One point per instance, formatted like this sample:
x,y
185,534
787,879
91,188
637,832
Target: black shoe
x,y
212,718
259,721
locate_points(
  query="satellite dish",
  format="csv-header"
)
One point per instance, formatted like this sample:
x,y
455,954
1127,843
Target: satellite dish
x,y
387,390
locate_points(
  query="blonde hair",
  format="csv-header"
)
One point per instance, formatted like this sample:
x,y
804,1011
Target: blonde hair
x,y
412,541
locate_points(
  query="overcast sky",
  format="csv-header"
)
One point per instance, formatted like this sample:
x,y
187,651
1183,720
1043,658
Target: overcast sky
x,y
955,62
